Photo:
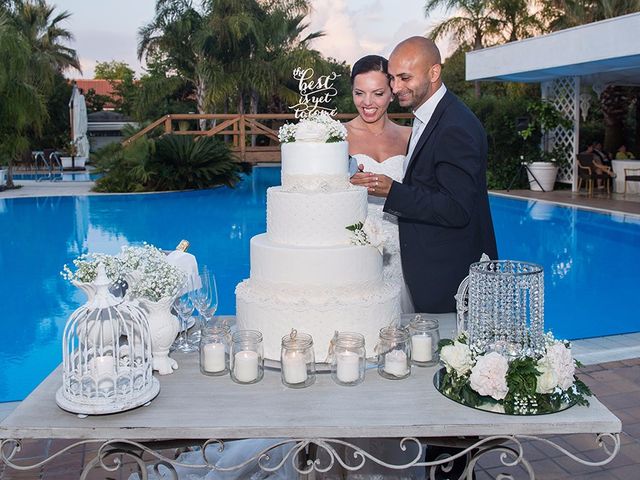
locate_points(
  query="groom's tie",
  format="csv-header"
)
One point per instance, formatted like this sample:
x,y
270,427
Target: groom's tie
x,y
415,136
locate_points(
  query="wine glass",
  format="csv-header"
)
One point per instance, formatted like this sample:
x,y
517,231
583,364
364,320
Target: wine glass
x,y
184,307
205,298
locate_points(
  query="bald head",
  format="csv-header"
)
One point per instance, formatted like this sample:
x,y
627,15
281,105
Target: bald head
x,y
420,48
414,68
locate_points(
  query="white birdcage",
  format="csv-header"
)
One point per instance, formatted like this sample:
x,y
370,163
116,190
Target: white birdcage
x,y
106,355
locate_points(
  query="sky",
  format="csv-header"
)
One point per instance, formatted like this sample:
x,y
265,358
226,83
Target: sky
x,y
107,30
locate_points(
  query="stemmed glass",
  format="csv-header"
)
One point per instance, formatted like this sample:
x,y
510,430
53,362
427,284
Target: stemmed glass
x,y
205,299
184,307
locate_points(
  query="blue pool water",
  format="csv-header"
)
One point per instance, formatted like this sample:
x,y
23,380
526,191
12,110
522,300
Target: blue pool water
x,y
59,177
591,260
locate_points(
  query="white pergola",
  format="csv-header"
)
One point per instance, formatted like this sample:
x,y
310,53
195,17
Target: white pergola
x,y
567,63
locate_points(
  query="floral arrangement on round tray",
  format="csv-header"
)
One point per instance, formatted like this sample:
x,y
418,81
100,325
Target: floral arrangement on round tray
x,y
524,385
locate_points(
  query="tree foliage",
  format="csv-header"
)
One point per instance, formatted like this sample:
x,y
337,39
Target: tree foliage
x,y
170,162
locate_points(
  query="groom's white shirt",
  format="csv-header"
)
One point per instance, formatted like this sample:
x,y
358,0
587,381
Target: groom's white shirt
x,y
423,114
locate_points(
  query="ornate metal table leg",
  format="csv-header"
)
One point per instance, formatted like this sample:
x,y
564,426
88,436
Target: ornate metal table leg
x,y
108,456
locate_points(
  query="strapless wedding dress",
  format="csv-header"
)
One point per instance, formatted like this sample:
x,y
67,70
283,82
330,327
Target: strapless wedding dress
x,y
391,167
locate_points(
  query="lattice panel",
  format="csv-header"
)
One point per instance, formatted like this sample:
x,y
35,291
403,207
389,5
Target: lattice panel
x,y
563,93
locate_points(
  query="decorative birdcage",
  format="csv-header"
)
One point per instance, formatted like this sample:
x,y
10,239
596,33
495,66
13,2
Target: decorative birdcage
x,y
106,355
506,307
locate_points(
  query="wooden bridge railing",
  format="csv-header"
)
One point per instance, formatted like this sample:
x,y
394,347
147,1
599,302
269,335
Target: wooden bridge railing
x,y
253,137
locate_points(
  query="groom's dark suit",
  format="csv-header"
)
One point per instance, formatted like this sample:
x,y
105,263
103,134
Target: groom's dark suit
x,y
443,207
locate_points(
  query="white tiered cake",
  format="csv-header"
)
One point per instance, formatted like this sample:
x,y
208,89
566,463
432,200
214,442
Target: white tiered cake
x,y
305,273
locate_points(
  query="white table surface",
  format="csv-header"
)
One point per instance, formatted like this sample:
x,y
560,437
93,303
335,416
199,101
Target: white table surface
x,y
193,406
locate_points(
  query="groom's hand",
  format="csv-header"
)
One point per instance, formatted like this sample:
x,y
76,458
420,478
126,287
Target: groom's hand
x,y
377,184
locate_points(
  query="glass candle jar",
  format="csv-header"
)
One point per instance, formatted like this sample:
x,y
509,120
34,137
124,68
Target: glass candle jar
x,y
395,353
425,336
214,350
297,360
349,359
247,357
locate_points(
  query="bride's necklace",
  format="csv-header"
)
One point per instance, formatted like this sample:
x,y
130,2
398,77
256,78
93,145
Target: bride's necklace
x,y
374,134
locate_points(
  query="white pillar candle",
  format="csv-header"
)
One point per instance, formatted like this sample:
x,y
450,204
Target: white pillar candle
x,y
348,366
421,346
294,367
213,357
102,366
245,366
395,363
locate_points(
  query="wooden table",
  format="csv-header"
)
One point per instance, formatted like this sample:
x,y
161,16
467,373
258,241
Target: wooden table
x,y
198,408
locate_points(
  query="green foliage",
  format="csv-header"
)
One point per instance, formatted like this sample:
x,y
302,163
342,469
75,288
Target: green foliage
x,y
521,376
22,106
171,162
498,116
94,101
113,70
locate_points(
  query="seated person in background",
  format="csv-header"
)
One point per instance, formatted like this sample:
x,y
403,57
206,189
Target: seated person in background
x,y
601,155
622,153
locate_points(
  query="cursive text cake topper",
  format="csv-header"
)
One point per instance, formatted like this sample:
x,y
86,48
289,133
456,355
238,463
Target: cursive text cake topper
x,y
315,95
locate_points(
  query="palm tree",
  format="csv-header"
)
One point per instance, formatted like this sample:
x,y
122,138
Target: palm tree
x,y
41,27
22,107
571,13
234,52
518,19
474,25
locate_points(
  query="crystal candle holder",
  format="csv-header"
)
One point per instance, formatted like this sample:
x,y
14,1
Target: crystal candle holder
x,y
506,307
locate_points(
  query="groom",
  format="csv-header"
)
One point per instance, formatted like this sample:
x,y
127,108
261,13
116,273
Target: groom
x,y
442,203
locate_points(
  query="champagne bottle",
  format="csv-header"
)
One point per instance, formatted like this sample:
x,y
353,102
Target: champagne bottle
x,y
183,245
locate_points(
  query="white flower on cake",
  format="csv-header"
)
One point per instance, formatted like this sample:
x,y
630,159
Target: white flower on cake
x,y
456,357
369,233
488,376
319,128
308,131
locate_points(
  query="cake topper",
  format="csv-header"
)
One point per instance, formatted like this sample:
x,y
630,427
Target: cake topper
x,y
315,95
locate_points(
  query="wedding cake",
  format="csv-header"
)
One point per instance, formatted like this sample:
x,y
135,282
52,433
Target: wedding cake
x,y
306,271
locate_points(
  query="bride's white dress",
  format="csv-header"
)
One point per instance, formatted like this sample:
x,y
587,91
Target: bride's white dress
x,y
391,167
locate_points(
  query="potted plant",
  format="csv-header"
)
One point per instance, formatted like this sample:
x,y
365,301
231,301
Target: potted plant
x,y
71,161
546,155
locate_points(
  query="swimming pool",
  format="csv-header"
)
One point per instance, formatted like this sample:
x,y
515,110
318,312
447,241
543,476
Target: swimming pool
x,y
591,260
59,177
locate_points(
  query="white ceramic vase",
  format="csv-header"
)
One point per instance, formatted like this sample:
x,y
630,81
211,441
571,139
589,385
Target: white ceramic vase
x,y
545,173
88,288
164,328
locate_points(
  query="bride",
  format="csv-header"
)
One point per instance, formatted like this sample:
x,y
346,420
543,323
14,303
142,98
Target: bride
x,y
378,145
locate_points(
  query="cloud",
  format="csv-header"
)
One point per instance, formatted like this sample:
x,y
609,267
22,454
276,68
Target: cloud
x,y
340,40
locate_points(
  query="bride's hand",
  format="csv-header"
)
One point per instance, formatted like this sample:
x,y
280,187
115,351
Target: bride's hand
x,y
377,184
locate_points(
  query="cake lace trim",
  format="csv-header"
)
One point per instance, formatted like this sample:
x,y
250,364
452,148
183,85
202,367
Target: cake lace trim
x,y
315,183
303,297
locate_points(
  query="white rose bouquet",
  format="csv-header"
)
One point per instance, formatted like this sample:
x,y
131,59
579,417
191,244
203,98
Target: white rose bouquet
x,y
320,128
535,384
